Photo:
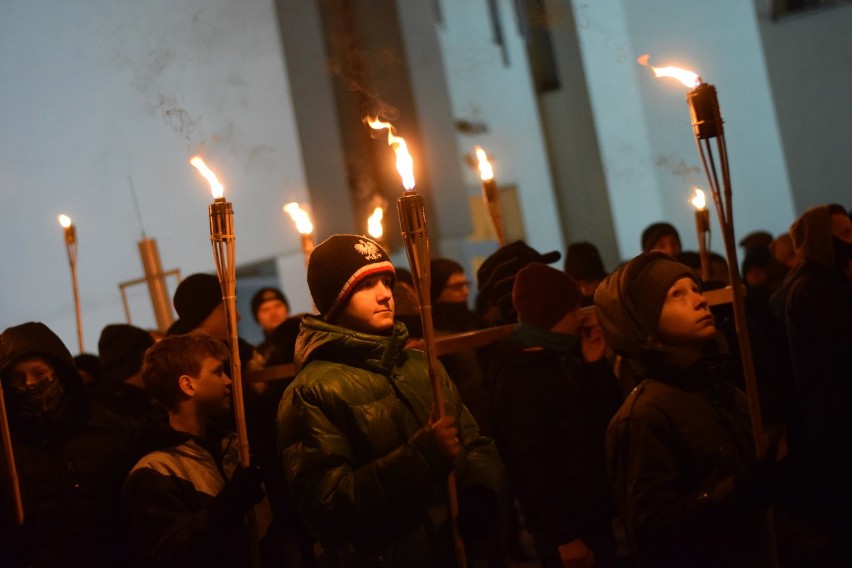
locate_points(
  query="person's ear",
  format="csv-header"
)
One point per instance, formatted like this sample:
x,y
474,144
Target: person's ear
x,y
186,385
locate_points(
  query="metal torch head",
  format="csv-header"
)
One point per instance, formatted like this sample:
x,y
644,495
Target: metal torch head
x,y
415,238
705,113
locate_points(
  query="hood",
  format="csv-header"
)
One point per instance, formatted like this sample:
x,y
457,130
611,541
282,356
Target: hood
x,y
812,238
625,320
319,340
36,339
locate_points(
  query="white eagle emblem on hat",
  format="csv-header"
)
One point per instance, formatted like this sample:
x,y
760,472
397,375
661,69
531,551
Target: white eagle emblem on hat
x,y
368,249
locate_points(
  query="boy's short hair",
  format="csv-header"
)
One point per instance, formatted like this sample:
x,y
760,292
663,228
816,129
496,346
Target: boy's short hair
x,y
177,355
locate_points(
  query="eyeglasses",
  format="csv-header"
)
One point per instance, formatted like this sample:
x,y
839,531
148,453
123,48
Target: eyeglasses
x,y
458,285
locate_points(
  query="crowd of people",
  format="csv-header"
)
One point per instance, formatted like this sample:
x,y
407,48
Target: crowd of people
x,y
611,422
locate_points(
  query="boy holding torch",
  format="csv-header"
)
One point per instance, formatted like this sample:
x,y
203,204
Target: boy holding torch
x,y
185,501
363,457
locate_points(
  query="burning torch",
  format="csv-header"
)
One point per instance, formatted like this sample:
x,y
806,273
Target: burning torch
x,y
702,227
490,194
222,237
221,214
71,249
415,237
707,124
302,219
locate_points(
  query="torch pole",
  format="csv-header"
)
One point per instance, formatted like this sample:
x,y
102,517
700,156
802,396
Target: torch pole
x,y
307,246
415,237
707,123
9,457
492,201
71,249
223,240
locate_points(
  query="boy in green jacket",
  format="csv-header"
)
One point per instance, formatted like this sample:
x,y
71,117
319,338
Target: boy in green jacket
x,y
365,462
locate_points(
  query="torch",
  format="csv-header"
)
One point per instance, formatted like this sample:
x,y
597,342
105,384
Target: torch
x,y
702,227
304,226
415,237
707,124
9,457
490,194
71,248
221,214
222,237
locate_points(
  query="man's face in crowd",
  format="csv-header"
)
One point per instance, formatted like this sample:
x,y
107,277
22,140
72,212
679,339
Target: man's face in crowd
x,y
35,386
370,309
455,290
686,320
271,314
216,324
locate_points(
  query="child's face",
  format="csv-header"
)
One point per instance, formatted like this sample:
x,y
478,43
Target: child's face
x,y
370,309
686,320
213,387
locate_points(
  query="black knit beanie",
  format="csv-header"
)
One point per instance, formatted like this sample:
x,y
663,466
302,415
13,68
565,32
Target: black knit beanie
x,y
266,295
195,298
542,295
338,264
121,348
440,270
650,286
656,231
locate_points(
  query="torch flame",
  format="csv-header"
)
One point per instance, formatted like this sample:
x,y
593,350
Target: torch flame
x,y
300,217
688,78
216,188
485,171
404,163
374,223
65,221
698,199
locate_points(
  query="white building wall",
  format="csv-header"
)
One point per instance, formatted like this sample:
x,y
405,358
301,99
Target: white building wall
x,y
483,89
644,127
97,93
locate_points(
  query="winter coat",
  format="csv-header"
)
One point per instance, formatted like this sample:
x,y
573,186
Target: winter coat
x,y
70,471
679,445
353,431
669,447
551,412
167,496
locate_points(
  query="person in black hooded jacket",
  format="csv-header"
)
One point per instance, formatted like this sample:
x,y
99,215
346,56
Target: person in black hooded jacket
x,y
815,306
680,451
70,470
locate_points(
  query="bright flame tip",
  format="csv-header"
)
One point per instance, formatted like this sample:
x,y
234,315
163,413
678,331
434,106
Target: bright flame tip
x,y
64,220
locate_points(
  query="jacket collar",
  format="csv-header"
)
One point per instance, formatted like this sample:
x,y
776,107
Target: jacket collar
x,y
319,340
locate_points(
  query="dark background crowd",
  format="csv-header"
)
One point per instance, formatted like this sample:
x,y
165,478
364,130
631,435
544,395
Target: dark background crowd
x,y
609,426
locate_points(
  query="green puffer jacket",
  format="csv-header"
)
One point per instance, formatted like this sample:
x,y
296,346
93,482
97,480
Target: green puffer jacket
x,y
353,431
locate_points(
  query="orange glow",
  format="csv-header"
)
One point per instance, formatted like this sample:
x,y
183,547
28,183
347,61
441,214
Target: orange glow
x,y
65,221
698,200
374,223
300,217
404,163
485,171
216,188
688,78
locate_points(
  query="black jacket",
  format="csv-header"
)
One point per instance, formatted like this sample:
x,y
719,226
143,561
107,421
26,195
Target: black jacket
x,y
70,470
551,411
